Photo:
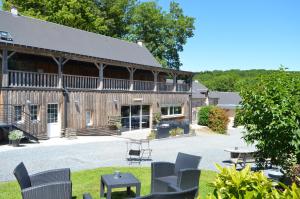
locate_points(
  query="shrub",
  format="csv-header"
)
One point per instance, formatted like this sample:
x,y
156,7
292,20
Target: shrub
x,y
176,131
203,115
152,135
271,118
295,174
245,184
238,118
15,135
156,118
218,120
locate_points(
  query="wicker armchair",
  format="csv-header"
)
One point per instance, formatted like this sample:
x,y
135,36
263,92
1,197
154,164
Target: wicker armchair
x,y
52,184
186,194
170,177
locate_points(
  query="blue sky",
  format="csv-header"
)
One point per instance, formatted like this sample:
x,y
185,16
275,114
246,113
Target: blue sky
x,y
241,34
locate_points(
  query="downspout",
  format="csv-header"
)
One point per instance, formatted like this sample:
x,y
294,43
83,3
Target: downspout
x,y
66,101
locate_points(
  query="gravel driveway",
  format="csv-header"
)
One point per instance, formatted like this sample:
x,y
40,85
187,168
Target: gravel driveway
x,y
112,153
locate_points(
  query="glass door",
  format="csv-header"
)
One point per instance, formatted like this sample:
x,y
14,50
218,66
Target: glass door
x,y
135,117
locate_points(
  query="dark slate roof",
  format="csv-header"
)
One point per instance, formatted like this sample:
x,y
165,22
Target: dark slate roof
x,y
226,99
198,89
46,35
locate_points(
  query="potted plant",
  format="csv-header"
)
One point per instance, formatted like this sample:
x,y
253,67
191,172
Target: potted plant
x,y
156,119
15,136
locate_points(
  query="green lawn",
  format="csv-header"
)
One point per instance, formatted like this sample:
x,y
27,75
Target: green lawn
x,y
88,181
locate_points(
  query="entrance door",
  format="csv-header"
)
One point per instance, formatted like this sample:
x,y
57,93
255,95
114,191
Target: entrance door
x,y
135,117
53,127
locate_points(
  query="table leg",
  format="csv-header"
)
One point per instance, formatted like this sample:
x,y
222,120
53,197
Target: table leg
x,y
138,190
108,194
128,190
101,189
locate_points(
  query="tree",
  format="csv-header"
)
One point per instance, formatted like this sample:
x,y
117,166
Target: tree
x,y
117,15
164,33
81,14
271,116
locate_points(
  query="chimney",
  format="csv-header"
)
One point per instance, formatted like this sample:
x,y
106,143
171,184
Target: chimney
x,y
14,11
140,43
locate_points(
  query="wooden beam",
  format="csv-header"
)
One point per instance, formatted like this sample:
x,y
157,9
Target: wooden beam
x,y
11,54
65,61
155,74
101,67
4,68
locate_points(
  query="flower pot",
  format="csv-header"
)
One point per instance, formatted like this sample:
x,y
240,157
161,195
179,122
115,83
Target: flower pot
x,y
15,143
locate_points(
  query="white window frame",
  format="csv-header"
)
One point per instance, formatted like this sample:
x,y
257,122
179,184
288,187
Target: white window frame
x,y
22,110
90,122
172,107
37,112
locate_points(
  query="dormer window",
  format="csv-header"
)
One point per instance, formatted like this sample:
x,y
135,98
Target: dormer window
x,y
5,36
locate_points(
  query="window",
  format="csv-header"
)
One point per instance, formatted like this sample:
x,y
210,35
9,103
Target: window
x,y
33,109
18,113
164,111
88,118
171,110
52,113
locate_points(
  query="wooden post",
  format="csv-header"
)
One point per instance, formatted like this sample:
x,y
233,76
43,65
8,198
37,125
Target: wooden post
x,y
174,82
190,84
131,73
4,68
101,68
60,63
155,74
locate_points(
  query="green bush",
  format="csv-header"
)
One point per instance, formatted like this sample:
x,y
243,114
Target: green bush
x,y
245,184
271,117
203,115
176,131
238,118
15,135
218,120
152,135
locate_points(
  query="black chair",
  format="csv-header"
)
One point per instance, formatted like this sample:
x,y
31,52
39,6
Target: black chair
x,y
187,194
52,184
170,177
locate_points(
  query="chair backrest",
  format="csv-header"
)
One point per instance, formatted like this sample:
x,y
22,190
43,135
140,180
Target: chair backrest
x,y
22,176
187,194
186,161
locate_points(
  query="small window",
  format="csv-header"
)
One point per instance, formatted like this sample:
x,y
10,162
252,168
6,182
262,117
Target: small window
x,y
33,109
164,110
18,113
88,118
171,110
177,110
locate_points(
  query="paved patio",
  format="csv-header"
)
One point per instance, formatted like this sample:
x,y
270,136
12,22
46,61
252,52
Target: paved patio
x,y
93,152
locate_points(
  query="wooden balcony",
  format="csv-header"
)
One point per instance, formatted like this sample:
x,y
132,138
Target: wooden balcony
x,y
51,80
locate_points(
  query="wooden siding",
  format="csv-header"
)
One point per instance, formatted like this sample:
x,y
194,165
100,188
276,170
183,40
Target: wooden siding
x,y
102,104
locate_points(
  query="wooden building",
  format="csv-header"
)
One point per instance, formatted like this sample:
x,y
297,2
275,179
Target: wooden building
x,y
57,80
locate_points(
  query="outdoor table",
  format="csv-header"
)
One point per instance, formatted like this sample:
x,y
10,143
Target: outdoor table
x,y
124,180
240,154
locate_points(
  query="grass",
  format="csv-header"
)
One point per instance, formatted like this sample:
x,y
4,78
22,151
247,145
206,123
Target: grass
x,y
88,181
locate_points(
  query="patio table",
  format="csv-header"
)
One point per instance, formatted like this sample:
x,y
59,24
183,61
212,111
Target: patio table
x,y
124,180
241,155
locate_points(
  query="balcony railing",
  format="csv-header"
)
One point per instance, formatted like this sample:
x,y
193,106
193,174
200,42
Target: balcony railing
x,y
72,81
32,79
116,84
50,80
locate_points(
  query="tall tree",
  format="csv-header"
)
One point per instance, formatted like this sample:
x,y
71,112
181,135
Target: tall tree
x,y
81,14
117,15
164,33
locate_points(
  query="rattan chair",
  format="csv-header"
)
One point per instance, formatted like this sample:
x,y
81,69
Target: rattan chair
x,y
181,175
52,184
